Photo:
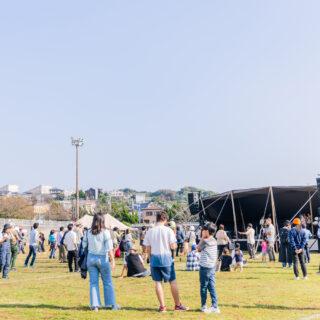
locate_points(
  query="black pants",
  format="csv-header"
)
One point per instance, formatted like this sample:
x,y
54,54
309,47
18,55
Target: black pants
x,y
179,248
73,256
299,257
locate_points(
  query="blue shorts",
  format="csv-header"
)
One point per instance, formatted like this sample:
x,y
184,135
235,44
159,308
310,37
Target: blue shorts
x,y
264,253
167,274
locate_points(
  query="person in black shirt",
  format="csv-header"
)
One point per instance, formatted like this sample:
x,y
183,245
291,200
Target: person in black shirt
x,y
134,265
225,261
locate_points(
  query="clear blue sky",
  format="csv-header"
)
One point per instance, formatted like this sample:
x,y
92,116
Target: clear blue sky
x,y
214,94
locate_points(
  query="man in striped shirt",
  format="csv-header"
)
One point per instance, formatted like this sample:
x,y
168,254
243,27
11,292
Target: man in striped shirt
x,y
208,260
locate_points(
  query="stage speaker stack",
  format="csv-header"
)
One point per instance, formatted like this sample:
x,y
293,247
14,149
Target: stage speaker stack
x,y
193,201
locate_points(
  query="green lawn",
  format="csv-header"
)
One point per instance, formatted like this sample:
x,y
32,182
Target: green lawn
x,y
262,291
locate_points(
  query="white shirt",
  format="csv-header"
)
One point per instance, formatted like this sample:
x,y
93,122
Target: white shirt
x,y
250,236
70,240
160,238
270,229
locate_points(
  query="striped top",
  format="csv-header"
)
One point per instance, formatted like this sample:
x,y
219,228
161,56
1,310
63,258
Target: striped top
x,y
208,258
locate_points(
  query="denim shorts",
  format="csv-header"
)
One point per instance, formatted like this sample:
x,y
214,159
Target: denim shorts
x,y
166,274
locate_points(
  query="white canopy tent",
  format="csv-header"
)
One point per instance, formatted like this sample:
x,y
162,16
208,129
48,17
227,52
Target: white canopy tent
x,y
110,222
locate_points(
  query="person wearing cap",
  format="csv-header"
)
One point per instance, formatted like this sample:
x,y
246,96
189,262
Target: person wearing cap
x,y
298,242
250,240
285,254
134,265
193,259
191,237
269,232
5,250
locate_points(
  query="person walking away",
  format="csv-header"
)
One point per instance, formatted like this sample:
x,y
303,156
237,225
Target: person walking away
x,y
193,259
128,239
134,265
32,246
42,240
142,236
100,247
21,242
70,241
61,247
298,242
159,241
14,240
180,238
308,237
208,260
222,239
53,245
79,233
269,232
250,240
264,250
285,252
5,250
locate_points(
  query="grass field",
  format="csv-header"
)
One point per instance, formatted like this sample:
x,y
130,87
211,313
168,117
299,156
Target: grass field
x,y
262,291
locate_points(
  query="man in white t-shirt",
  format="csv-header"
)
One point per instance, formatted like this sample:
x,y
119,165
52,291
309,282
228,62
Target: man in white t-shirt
x,y
250,240
159,242
70,241
269,232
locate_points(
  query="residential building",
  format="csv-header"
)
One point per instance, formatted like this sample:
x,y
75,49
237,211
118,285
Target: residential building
x,y
9,189
149,214
68,193
93,194
138,207
117,195
140,197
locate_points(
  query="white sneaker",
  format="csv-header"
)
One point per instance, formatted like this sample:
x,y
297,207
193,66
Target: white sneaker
x,y
205,309
296,278
215,310
305,278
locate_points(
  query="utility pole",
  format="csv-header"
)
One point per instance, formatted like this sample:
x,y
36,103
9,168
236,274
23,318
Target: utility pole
x,y
77,143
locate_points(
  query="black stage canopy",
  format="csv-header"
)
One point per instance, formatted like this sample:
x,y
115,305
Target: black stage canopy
x,y
240,207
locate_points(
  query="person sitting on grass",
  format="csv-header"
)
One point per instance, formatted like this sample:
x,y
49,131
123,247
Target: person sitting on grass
x,y
238,257
225,261
134,265
193,259
208,260
298,242
160,240
264,250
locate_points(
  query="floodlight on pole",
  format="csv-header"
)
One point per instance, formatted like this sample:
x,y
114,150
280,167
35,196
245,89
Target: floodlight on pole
x,y
78,142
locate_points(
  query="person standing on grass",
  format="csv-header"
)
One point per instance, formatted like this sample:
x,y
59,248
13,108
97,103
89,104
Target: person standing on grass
x,y
53,245
298,242
270,234
5,250
142,236
191,237
250,240
264,250
32,245
79,233
160,240
61,247
180,238
222,239
99,243
285,252
308,237
208,261
14,248
70,241
128,239
21,242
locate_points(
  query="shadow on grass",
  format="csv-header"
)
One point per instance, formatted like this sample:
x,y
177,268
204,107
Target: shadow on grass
x,y
43,306
267,306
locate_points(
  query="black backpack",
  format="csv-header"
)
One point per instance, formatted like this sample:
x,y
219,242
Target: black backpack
x,y
284,236
179,237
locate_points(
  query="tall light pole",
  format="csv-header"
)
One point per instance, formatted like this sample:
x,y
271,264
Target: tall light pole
x,y
78,142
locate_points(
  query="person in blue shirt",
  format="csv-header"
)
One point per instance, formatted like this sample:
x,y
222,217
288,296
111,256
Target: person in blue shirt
x,y
53,245
180,238
298,242
308,237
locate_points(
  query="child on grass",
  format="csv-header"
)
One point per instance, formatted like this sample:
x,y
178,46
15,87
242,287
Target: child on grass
x,y
264,250
238,256
208,259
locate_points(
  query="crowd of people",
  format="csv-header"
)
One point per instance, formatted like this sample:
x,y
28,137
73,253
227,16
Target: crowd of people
x,y
207,250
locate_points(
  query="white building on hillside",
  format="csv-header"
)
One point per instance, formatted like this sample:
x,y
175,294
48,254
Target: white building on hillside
x,y
9,189
140,197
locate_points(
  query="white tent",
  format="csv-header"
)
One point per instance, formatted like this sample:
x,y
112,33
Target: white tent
x,y
110,222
